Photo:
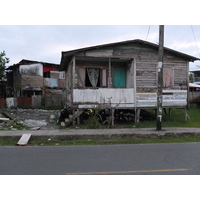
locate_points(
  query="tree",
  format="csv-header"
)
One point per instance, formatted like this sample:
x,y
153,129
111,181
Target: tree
x,y
191,78
3,61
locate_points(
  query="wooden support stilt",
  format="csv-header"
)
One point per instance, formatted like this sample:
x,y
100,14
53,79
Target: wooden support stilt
x,y
185,114
165,111
73,118
170,112
78,118
112,117
138,115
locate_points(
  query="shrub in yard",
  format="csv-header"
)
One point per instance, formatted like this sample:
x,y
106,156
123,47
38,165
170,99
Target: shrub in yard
x,y
92,122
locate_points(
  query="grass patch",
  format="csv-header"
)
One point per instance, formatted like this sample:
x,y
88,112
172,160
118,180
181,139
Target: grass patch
x,y
92,123
57,142
175,120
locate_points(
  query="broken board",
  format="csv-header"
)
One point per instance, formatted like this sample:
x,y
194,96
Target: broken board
x,y
24,139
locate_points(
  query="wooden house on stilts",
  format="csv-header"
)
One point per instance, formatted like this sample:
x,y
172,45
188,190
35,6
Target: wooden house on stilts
x,y
123,75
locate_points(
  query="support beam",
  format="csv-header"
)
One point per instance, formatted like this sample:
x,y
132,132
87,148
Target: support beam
x,y
112,117
135,88
109,74
138,115
185,114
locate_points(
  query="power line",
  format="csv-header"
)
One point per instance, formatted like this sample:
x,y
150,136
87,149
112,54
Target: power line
x,y
148,32
144,40
195,39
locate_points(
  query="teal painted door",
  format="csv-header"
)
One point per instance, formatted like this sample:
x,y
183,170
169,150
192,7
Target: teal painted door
x,y
119,77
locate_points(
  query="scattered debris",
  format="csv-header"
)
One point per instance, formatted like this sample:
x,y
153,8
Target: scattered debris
x,y
52,118
7,116
35,123
32,119
35,128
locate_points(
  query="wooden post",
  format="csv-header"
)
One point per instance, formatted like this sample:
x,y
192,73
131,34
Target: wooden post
x,y
112,117
138,115
185,115
160,78
134,81
78,117
109,74
170,112
73,85
188,88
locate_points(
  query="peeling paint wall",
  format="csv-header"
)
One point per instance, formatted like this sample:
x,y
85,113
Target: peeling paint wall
x,y
50,82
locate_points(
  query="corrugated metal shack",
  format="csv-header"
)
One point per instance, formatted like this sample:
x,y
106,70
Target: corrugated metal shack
x,y
123,75
37,80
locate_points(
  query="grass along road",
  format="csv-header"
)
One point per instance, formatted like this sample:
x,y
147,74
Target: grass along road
x,y
56,142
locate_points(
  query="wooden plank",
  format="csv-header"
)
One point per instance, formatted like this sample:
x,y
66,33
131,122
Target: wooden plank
x,y
24,139
4,119
35,128
7,116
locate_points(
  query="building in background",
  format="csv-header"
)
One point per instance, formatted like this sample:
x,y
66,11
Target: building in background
x,y
36,80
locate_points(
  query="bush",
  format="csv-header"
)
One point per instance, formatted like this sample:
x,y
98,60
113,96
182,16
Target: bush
x,y
92,122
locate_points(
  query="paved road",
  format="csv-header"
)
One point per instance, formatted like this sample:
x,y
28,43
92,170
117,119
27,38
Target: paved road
x,y
101,159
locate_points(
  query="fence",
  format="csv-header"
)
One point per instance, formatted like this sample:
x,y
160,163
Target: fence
x,y
21,102
194,96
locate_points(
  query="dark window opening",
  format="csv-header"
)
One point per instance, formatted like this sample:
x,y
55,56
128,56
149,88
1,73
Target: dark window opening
x,y
88,79
46,74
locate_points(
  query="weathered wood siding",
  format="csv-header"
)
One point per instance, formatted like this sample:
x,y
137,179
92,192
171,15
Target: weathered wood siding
x,y
194,96
175,68
104,97
69,77
171,98
175,80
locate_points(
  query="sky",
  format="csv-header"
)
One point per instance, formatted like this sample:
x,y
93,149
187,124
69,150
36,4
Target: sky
x,y
35,30
46,42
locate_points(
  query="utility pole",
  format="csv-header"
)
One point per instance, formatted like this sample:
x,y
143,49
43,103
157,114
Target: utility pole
x,y
160,78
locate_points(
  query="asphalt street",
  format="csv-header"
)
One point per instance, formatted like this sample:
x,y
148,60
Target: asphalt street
x,y
133,159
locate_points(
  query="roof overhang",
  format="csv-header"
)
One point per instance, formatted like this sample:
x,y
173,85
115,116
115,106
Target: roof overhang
x,y
67,55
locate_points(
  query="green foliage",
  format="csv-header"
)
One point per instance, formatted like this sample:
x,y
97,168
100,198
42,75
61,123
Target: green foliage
x,y
3,61
14,126
191,78
92,122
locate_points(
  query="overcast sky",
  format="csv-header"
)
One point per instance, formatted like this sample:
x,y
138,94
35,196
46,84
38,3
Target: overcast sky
x,y
85,23
46,42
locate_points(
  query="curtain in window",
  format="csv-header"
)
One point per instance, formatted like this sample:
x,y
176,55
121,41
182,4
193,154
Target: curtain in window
x,y
93,74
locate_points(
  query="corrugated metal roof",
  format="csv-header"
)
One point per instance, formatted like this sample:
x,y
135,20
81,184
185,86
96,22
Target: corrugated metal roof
x,y
66,55
26,62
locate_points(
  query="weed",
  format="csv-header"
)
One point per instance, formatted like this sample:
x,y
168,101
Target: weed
x,y
92,122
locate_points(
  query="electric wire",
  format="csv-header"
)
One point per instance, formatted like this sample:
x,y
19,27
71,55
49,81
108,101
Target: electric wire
x,y
195,40
144,40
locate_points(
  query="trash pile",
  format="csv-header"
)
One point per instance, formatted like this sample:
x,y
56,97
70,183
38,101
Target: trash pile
x,y
8,123
23,119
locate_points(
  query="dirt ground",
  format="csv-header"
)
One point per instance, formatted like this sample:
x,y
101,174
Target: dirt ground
x,y
45,119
